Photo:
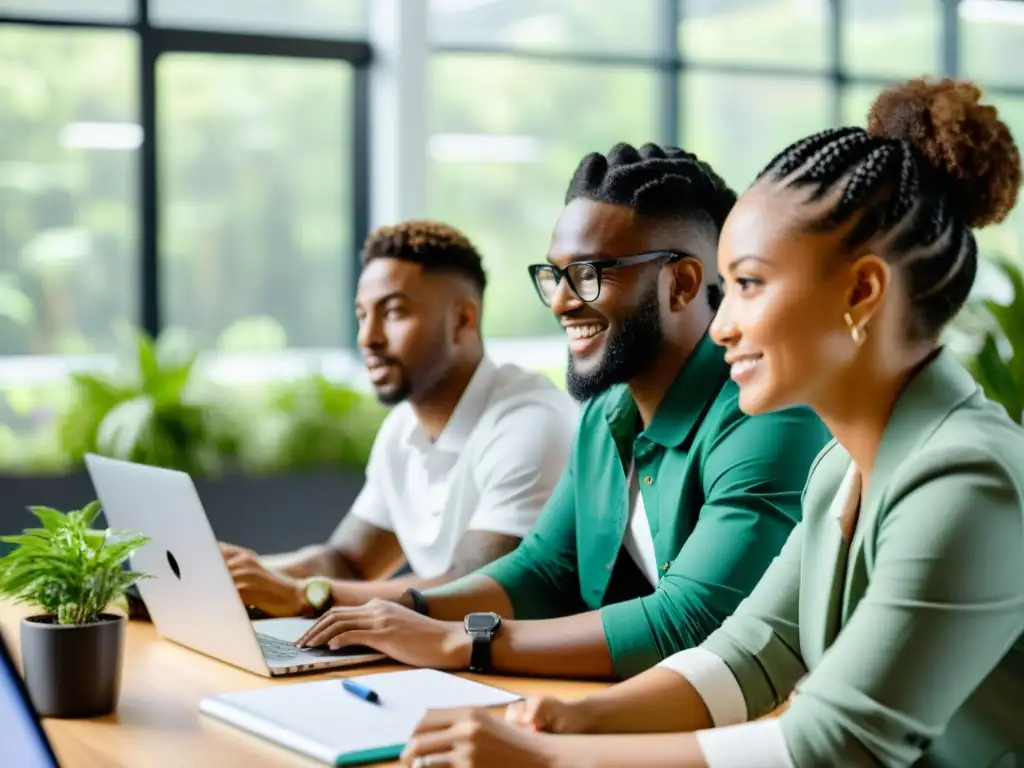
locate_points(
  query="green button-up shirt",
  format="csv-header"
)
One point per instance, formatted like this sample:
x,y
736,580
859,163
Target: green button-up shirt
x,y
721,490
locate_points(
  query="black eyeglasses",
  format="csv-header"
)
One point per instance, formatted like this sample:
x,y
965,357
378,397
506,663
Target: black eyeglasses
x,y
584,277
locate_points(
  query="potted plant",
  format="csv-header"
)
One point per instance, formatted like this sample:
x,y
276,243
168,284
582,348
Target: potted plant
x,y
72,652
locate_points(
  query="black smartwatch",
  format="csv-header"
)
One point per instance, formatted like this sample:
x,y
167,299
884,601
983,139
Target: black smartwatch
x,y
482,628
418,601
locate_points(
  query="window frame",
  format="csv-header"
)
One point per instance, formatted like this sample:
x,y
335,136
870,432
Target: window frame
x,y
153,42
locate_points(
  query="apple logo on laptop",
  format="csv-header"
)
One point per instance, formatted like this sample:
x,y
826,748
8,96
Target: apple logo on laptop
x,y
174,565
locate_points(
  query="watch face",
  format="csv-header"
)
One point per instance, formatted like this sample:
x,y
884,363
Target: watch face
x,y
482,622
318,593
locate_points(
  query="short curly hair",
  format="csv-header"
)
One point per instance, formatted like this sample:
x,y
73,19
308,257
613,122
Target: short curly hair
x,y
933,164
435,246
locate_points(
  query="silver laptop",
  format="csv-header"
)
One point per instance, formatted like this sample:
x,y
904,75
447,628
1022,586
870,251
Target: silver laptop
x,y
191,598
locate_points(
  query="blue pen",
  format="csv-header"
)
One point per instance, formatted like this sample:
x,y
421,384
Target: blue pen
x,y
360,690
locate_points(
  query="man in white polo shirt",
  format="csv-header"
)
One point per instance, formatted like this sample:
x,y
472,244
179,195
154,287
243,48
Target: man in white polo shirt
x,y
461,466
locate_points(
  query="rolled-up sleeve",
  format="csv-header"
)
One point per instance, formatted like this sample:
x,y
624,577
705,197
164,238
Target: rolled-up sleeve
x,y
540,575
754,479
746,668
760,643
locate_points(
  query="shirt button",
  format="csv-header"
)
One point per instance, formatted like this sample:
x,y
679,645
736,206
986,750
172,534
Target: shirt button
x,y
648,480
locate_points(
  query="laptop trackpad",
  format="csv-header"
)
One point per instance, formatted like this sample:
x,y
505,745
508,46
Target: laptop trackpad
x,y
291,630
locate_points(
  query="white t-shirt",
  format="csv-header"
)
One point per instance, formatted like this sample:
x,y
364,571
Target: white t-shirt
x,y
638,540
492,468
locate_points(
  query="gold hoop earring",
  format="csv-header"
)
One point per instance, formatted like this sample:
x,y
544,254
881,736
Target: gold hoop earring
x,y
855,332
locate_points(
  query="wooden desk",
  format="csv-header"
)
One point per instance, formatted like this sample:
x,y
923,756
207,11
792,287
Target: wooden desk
x,y
158,722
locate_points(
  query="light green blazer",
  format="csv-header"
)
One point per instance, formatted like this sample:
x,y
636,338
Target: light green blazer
x,y
911,637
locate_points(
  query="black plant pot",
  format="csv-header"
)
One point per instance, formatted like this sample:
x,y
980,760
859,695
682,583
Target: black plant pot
x,y
73,670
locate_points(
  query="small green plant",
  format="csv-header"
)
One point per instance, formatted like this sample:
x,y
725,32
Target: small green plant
x,y
68,569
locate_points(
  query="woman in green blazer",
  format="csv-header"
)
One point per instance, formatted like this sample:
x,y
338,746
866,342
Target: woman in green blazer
x,y
892,620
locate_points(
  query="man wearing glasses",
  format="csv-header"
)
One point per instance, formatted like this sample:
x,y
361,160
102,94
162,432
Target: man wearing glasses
x,y
673,502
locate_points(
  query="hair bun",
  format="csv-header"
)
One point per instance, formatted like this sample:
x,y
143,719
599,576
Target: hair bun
x,y
961,138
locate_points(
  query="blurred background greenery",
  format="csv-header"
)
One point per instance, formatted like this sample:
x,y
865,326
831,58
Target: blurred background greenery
x,y
262,183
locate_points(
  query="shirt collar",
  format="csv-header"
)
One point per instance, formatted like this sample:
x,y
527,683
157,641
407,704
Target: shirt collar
x,y
699,381
937,388
467,413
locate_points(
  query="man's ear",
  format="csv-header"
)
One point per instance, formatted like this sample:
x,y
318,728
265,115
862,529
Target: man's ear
x,y
871,277
467,318
686,280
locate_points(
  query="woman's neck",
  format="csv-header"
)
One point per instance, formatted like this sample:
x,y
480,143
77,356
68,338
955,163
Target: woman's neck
x,y
858,406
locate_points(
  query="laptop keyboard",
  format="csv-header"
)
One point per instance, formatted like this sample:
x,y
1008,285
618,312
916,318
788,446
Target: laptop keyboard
x,y
275,648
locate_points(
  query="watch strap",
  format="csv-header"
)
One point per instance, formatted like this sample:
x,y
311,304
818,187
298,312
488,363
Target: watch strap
x,y
480,654
418,601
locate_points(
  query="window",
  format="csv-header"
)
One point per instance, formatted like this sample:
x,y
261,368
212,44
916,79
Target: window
x,y
992,41
254,176
68,189
507,135
81,10
608,27
856,103
320,18
774,32
892,37
738,123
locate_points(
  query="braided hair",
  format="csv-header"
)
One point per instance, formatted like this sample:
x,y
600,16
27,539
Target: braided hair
x,y
656,183
933,164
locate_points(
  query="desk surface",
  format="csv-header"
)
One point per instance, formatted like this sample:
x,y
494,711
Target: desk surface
x,y
158,722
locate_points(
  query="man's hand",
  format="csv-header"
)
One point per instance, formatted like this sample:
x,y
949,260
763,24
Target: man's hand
x,y
546,713
273,593
398,632
470,738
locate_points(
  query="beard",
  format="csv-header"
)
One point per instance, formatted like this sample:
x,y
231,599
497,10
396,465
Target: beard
x,y
627,354
394,395
396,391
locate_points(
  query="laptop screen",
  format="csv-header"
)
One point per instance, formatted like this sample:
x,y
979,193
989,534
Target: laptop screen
x,y
24,743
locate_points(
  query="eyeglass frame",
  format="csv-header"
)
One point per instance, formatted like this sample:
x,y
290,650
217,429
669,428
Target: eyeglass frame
x,y
599,265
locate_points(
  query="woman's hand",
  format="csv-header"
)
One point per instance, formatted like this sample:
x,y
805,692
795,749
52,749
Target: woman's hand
x,y
546,713
471,738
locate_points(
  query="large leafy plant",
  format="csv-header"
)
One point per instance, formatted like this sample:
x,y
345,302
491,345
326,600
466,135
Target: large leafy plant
x,y
143,412
68,569
997,364
313,423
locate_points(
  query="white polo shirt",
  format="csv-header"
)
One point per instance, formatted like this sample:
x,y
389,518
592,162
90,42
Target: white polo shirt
x,y
492,468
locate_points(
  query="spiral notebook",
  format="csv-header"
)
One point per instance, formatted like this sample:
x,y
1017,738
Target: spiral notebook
x,y
324,721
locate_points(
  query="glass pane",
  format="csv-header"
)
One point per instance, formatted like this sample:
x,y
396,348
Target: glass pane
x,y
502,153
1007,238
255,233
320,18
68,184
621,26
780,32
892,37
992,41
86,10
856,103
738,123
